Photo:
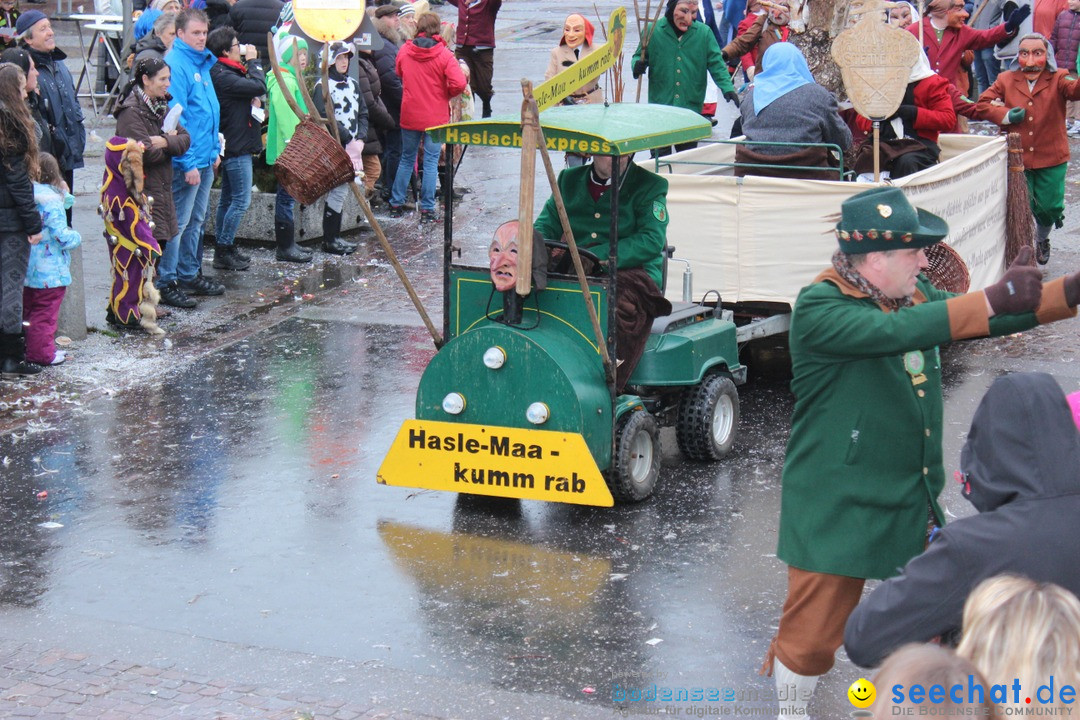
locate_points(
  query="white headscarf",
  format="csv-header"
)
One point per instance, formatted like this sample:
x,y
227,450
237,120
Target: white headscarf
x,y
921,69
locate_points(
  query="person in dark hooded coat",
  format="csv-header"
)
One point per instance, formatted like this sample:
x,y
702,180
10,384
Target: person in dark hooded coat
x,y
1025,485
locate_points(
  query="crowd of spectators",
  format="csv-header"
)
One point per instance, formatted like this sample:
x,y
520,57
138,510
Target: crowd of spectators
x,y
199,99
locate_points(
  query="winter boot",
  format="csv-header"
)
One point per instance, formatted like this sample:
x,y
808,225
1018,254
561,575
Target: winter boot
x,y
793,691
486,107
287,249
226,259
331,228
1042,246
14,362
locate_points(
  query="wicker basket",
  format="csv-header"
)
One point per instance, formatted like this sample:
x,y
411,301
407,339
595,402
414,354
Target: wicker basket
x,y
947,270
313,163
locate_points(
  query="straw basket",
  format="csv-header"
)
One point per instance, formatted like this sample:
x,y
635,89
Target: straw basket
x,y
947,270
313,163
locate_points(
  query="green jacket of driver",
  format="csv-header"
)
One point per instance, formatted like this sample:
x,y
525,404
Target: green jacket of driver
x,y
643,218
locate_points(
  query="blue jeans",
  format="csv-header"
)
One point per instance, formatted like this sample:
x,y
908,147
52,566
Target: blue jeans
x,y
181,259
410,143
235,197
283,206
390,158
987,68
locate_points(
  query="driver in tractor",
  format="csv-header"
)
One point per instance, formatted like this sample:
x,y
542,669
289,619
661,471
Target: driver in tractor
x,y
643,221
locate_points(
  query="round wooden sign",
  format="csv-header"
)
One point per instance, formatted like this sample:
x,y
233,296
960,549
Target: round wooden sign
x,y
875,61
329,20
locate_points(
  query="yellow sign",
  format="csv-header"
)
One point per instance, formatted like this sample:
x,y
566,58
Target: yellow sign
x,y
587,69
499,461
329,20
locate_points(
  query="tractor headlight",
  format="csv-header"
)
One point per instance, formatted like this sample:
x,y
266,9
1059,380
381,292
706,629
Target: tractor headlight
x,y
537,413
494,357
453,403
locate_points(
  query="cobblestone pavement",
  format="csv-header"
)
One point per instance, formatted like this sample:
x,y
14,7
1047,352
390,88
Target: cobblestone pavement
x,y
56,684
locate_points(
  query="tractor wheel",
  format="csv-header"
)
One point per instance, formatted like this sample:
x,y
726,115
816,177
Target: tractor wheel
x,y
636,468
708,419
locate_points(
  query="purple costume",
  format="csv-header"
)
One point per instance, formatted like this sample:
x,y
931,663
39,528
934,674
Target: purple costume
x,y
132,247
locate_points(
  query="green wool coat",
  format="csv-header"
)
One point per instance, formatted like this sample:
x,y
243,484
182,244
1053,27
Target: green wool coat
x,y
864,459
643,218
677,65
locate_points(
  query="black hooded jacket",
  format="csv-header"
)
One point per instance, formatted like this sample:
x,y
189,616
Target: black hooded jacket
x,y
1022,465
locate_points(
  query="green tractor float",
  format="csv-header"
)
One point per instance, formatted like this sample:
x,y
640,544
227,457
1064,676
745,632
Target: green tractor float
x,y
520,400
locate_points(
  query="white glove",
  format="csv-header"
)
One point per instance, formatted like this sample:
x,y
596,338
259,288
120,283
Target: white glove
x,y
355,150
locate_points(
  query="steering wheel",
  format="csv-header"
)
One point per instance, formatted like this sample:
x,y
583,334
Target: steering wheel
x,y
562,263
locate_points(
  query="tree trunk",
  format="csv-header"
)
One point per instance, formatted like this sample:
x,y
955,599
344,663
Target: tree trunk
x,y
827,19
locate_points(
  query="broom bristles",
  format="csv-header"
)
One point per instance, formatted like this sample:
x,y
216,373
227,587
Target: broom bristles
x,y
1019,222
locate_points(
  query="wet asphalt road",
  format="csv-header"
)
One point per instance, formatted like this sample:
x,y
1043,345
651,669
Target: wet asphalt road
x,y
222,516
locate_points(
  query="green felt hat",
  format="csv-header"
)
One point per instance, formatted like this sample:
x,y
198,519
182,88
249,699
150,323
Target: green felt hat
x,y
882,219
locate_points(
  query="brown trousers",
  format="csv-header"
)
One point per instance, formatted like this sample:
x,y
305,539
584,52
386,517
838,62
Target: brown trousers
x,y
481,68
372,171
812,622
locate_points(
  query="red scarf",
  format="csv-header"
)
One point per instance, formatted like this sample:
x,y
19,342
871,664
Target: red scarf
x,y
228,62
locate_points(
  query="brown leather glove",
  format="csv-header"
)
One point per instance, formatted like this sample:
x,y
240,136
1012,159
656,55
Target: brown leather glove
x,y
1020,288
1072,289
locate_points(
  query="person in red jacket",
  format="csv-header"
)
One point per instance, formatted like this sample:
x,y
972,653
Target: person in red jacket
x,y
946,37
925,112
476,44
430,76
1046,12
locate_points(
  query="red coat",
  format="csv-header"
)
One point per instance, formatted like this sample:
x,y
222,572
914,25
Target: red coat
x,y
476,22
934,114
430,76
945,56
1043,129
1045,13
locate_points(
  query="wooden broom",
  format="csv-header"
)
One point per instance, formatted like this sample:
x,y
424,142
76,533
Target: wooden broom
x,y
1019,222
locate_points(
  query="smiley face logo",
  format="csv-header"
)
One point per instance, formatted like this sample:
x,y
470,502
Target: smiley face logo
x,y
862,693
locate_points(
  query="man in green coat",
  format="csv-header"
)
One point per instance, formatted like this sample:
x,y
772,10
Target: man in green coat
x,y
679,54
643,221
864,460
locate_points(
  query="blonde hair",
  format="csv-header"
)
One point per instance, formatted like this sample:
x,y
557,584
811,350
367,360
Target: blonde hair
x,y
1017,628
925,665
448,32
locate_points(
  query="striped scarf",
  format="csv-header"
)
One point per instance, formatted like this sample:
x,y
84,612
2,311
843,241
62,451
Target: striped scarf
x,y
842,262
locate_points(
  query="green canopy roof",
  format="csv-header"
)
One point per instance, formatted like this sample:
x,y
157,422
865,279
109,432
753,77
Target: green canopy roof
x,y
617,129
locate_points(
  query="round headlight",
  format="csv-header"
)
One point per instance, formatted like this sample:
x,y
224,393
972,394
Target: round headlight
x,y
537,413
494,357
453,403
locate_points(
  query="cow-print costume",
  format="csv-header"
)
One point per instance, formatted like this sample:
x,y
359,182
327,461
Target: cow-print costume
x,y
349,108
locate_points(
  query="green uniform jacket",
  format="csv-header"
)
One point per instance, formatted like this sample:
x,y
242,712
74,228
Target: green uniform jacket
x,y
643,218
677,65
283,120
864,459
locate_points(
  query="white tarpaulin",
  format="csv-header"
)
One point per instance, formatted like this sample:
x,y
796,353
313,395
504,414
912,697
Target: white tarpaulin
x,y
763,239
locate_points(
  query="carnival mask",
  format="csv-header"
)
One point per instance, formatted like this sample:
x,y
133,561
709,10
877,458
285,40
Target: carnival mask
x,y
574,31
1032,56
503,256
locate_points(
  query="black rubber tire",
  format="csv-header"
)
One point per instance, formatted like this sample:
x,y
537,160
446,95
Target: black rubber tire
x,y
708,419
635,470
